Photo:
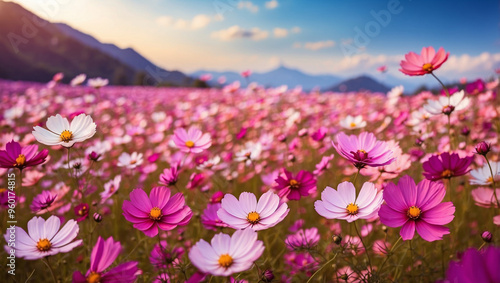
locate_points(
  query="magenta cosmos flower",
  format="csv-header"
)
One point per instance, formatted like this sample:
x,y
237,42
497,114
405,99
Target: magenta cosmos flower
x,y
248,213
343,203
192,140
103,255
44,238
364,150
428,61
227,254
476,266
158,211
303,184
15,156
417,207
446,165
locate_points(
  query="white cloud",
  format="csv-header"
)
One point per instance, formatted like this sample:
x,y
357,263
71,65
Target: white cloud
x,y
198,22
248,5
315,45
296,30
280,32
236,32
273,4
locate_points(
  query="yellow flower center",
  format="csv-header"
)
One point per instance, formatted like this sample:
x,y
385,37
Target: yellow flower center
x,y
3,190
155,214
294,183
225,260
352,209
94,277
253,217
20,160
352,125
447,174
362,151
43,245
414,212
190,144
66,136
428,67
489,180
132,162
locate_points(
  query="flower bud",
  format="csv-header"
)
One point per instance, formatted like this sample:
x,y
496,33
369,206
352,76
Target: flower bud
x,y
487,236
465,131
97,217
267,276
94,156
337,239
483,148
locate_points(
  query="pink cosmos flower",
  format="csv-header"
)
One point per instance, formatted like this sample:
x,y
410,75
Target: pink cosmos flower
x,y
303,239
192,140
43,201
210,219
246,73
343,203
170,176
323,165
417,207
15,156
44,238
162,258
364,150
476,266
485,197
446,165
428,61
103,255
227,254
303,184
248,213
160,210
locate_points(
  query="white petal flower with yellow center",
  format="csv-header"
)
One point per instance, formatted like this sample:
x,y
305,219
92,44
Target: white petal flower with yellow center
x,y
61,132
351,122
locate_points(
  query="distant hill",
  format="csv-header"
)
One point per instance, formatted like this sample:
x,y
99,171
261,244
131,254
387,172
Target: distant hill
x,y
360,83
277,77
129,57
34,49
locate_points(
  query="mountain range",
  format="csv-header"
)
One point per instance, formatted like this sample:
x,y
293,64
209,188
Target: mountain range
x,y
34,49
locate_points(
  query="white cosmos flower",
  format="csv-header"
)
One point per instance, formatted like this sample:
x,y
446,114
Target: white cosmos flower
x,y
250,153
130,160
351,122
61,132
445,105
97,82
78,80
482,176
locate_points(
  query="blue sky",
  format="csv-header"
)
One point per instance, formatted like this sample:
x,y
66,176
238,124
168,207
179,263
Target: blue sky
x,y
309,35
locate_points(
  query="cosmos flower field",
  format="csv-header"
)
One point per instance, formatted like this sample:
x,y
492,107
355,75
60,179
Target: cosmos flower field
x,y
145,184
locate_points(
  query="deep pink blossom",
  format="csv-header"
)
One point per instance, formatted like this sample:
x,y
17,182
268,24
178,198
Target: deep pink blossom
x,y
476,266
446,165
15,156
103,255
417,207
158,211
294,187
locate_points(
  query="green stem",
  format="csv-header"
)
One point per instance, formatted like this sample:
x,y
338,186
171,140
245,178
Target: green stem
x,y
389,254
482,245
364,246
356,177
317,271
492,181
46,261
444,87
